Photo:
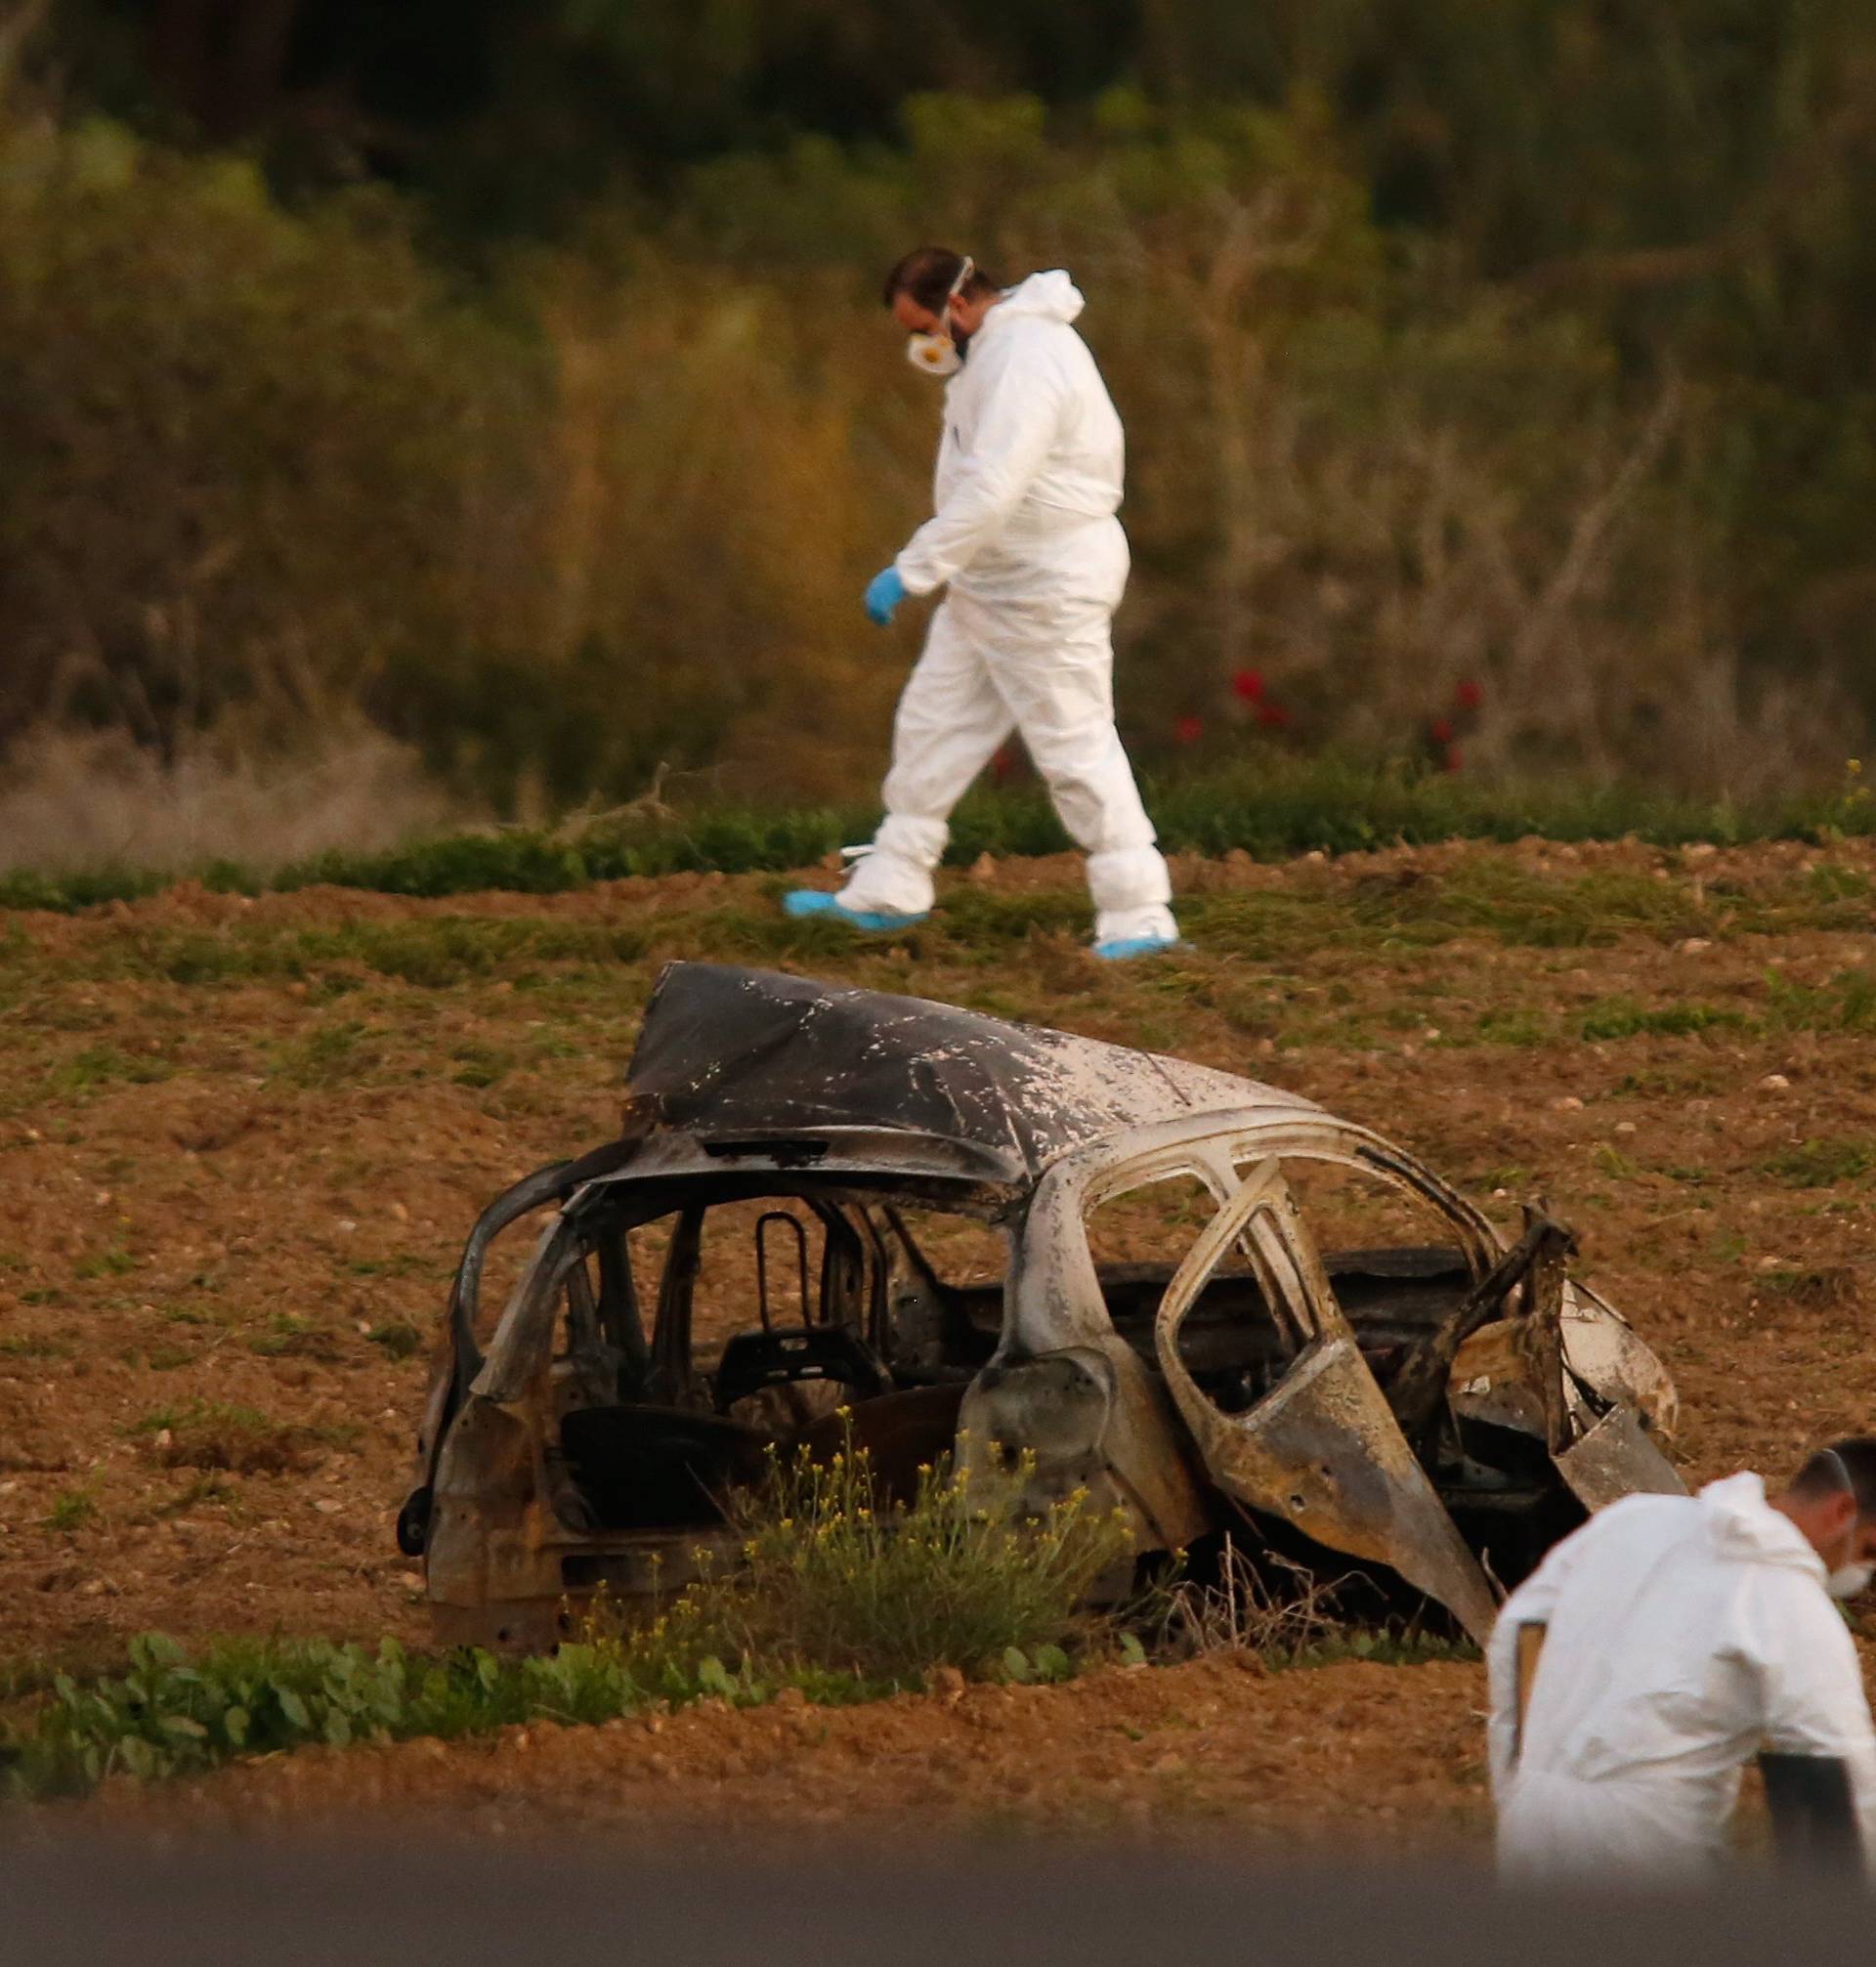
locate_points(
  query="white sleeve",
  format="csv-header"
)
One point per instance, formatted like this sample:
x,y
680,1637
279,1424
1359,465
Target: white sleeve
x,y
1532,1604
1814,1694
1016,426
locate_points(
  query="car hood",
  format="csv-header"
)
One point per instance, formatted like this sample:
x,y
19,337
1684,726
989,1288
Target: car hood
x,y
727,1052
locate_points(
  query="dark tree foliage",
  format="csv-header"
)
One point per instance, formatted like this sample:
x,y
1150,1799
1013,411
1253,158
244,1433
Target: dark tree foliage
x,y
1596,280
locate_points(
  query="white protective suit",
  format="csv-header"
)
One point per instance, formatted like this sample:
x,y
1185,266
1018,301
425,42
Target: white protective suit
x,y
1684,1635
1024,534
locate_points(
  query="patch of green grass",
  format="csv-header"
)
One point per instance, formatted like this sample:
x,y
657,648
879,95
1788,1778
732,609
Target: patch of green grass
x,y
242,1440
331,1054
406,1263
1272,810
100,1066
115,1262
1681,1080
209,1488
284,1334
1620,1017
196,1314
1823,1164
1518,1024
399,1337
481,1066
1847,1004
72,1510
35,1345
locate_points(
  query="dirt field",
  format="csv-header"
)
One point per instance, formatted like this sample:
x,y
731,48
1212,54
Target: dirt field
x,y
240,1142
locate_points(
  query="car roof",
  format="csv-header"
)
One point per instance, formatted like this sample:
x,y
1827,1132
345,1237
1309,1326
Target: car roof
x,y
727,1052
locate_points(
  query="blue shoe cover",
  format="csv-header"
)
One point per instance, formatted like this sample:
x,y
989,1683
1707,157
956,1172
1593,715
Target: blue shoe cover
x,y
803,902
1124,948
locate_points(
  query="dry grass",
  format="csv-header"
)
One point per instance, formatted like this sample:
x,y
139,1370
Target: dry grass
x,y
1271,1607
72,800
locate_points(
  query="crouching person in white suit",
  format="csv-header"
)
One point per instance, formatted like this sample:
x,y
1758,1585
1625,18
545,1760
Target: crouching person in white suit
x,y
1661,1647
1026,543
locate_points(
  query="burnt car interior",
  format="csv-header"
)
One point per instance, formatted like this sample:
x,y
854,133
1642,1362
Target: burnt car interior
x,y
837,1303
840,1307
1496,1481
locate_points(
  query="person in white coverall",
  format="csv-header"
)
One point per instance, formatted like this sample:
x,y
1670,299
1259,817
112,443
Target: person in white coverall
x,y
1673,1638
1026,544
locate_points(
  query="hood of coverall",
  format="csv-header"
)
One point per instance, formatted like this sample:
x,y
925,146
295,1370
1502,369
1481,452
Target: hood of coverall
x,y
1745,1529
1053,296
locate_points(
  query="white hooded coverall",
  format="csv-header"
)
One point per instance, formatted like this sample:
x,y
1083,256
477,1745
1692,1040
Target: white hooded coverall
x,y
1024,535
1684,1635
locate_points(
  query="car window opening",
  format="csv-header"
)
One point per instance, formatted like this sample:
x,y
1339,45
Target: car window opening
x,y
693,1345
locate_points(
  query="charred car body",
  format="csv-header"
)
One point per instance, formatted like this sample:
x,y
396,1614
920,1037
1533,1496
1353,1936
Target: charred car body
x,y
1433,1412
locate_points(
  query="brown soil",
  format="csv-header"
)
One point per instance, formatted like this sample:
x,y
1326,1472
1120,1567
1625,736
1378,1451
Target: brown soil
x,y
1356,1753
232,1188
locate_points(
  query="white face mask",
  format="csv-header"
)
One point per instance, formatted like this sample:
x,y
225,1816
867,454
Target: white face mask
x,y
934,355
937,354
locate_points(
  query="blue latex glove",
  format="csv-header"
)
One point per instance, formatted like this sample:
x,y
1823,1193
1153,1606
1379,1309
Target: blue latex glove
x,y
885,592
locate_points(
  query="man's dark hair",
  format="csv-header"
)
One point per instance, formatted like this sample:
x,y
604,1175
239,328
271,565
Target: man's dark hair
x,y
1853,1458
926,273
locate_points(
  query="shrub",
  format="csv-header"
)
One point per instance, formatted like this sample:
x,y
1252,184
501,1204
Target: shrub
x,y
834,1579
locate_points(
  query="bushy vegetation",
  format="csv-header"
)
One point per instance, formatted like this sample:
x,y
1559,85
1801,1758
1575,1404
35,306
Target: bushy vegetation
x,y
839,1595
833,1577
514,383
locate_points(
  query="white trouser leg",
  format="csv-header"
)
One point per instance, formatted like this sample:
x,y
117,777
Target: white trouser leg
x,y
1055,665
950,719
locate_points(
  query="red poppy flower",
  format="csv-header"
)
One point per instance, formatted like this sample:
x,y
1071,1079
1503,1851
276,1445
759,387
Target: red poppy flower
x,y
1468,695
1188,729
1441,731
1273,716
1247,686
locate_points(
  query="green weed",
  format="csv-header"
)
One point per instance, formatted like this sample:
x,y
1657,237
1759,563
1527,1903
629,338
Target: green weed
x,y
72,1510
399,1337
36,1346
480,1065
115,1262
1823,1164
1519,1025
241,1440
1847,1004
285,1334
329,1055
103,1065
1620,1017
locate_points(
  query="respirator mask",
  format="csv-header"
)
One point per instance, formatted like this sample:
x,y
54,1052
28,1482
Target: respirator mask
x,y
938,355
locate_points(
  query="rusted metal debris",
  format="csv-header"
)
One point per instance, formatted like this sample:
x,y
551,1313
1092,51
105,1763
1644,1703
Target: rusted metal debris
x,y
1431,1415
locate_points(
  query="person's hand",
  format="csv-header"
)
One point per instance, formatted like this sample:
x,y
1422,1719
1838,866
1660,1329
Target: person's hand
x,y
885,592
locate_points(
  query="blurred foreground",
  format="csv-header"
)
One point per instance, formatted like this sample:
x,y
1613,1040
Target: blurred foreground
x,y
351,1903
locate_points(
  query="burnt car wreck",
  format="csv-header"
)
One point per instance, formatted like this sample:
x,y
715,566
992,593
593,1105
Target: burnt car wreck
x,y
774,1234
